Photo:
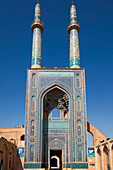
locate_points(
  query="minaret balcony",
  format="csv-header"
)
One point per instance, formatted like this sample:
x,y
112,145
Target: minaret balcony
x,y
37,24
73,26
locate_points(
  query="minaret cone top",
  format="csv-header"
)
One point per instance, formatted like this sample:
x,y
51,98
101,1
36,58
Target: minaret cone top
x,y
37,20
38,3
73,19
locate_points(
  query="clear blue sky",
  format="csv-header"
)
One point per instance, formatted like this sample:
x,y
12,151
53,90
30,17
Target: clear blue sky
x,y
96,53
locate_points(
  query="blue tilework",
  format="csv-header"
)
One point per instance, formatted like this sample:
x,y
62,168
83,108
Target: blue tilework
x,y
74,62
74,48
67,83
79,165
32,165
36,61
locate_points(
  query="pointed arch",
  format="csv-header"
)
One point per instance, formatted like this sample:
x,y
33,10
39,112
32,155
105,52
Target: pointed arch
x,y
40,115
53,85
56,139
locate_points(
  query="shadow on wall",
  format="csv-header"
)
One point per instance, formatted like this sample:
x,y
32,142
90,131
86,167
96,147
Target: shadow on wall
x,y
9,159
19,164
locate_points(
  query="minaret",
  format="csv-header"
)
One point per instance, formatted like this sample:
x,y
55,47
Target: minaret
x,y
37,29
73,30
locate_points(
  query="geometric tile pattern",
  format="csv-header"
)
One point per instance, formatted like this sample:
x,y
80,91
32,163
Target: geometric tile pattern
x,y
77,165
60,131
36,50
32,165
74,48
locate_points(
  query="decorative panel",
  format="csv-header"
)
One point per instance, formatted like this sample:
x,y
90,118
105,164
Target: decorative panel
x,y
62,89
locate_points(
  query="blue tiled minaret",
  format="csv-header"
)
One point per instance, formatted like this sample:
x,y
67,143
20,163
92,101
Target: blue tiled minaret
x,y
73,30
37,29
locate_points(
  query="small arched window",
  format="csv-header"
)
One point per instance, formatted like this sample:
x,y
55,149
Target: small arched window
x,y
22,138
78,97
79,130
77,80
32,148
78,103
33,103
55,112
80,152
90,138
32,122
33,80
78,121
32,130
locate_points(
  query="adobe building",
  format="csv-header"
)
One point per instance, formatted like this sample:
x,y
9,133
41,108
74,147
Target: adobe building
x,y
55,133
12,148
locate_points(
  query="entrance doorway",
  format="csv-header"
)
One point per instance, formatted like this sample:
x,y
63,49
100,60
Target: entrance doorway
x,y
55,159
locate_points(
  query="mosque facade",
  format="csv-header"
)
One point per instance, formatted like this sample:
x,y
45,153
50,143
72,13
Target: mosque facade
x,y
55,133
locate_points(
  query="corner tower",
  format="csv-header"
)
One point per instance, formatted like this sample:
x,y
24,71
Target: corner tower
x,y
55,125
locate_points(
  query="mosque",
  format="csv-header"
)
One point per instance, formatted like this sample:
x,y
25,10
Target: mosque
x,y
55,132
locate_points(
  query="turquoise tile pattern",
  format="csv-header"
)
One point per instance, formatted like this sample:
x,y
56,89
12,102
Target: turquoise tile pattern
x,y
74,48
36,48
56,133
32,165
